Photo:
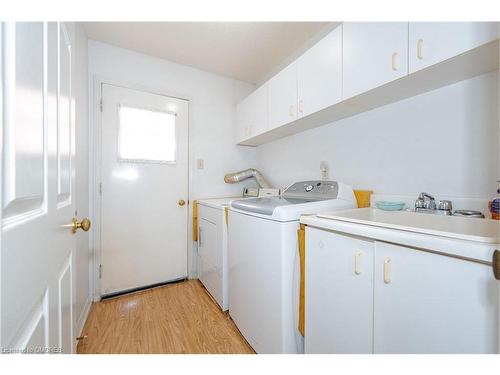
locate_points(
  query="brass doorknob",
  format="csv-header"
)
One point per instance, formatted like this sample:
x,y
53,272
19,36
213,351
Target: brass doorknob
x,y
181,202
84,225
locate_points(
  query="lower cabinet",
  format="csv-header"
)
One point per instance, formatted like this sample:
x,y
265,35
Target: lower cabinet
x,y
430,303
367,296
339,293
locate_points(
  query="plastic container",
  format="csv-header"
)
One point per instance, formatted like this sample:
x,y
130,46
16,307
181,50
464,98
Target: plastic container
x,y
390,206
494,206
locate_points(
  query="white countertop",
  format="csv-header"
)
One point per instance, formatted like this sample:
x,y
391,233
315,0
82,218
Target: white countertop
x,y
457,236
469,229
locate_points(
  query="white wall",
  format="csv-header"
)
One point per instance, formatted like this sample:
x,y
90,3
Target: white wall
x,y
445,142
82,257
213,101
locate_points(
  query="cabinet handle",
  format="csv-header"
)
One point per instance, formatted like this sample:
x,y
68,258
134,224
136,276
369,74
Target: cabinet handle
x,y
496,264
301,106
419,49
394,61
387,270
357,269
292,110
200,244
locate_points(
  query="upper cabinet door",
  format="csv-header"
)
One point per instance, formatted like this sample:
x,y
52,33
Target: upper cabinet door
x,y
374,53
320,74
251,114
433,42
283,97
242,120
258,111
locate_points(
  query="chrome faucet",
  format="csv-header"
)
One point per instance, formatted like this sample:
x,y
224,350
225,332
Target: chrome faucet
x,y
426,203
425,200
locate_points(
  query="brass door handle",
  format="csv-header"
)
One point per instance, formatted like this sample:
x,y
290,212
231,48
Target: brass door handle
x,y
181,202
84,225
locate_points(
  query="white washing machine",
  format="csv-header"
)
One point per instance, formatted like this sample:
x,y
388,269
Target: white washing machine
x,y
264,261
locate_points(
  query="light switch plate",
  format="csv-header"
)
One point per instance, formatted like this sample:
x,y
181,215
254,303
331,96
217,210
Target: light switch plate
x,y
199,164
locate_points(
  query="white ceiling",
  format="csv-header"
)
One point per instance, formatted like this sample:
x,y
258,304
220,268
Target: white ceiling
x,y
247,51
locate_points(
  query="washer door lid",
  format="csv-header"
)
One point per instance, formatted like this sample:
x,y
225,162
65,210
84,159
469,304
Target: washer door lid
x,y
265,205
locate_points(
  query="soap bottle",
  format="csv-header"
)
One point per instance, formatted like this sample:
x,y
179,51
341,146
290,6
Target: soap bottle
x,y
494,206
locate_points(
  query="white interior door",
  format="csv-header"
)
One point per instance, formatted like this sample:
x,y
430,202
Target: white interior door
x,y
144,182
37,188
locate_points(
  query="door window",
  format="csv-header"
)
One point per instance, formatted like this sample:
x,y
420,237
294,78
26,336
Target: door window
x,y
146,135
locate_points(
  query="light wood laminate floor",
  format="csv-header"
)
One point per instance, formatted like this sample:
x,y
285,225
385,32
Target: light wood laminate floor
x,y
176,318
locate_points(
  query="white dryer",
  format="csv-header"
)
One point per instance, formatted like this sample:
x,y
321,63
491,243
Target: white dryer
x,y
264,261
212,247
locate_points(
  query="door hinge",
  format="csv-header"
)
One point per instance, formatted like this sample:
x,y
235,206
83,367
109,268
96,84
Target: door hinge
x,y
100,104
100,271
100,188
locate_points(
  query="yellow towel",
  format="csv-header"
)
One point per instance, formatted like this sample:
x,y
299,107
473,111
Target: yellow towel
x,y
195,221
302,253
226,211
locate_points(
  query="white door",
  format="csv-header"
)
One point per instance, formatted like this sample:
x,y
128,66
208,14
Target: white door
x,y
319,74
283,97
433,42
374,53
339,294
38,196
429,303
144,189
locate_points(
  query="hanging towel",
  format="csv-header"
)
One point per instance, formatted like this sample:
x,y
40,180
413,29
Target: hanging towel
x,y
302,247
195,221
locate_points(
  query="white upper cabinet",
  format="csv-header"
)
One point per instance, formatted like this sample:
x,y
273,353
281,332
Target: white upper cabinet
x,y
374,53
283,97
433,42
325,83
320,74
242,120
251,114
259,121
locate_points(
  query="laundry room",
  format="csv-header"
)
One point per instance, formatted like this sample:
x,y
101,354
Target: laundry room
x,y
283,185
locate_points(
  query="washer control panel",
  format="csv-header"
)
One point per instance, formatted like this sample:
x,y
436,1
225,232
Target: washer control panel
x,y
312,190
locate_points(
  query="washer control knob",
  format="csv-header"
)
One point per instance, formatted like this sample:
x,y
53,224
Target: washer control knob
x,y
309,188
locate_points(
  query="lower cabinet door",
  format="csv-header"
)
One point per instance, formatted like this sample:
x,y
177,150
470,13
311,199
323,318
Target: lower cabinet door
x,y
429,303
339,293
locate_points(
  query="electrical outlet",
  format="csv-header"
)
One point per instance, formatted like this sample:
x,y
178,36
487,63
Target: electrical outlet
x,y
323,167
199,164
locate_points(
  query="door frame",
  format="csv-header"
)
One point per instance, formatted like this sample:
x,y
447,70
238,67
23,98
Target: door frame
x,y
1,166
96,82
